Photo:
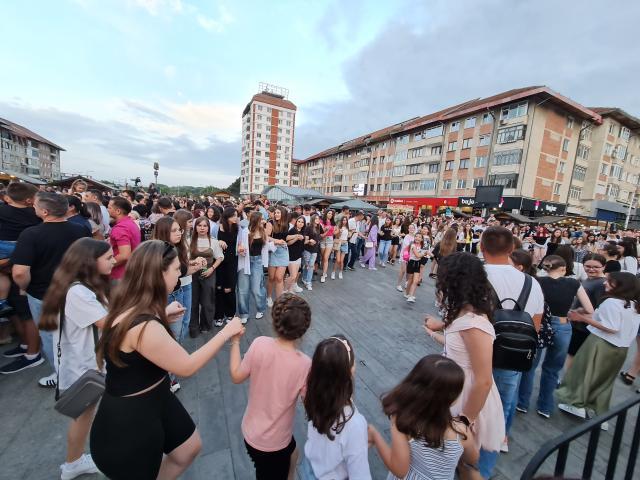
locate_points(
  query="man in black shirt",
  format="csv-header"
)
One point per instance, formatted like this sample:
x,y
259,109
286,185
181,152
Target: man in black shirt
x,y
38,253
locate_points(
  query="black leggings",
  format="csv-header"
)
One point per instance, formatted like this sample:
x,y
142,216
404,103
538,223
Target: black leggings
x,y
272,465
130,434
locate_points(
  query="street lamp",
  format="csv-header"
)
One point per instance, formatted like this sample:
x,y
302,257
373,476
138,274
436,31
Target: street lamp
x,y
156,167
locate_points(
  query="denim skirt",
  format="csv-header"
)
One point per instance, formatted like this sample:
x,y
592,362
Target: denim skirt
x,y
279,258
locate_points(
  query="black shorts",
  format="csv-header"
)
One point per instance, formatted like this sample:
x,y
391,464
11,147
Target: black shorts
x,y
424,260
413,266
130,434
395,240
19,303
272,465
578,335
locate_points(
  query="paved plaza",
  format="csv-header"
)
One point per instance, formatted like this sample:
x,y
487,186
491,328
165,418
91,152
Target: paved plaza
x,y
388,340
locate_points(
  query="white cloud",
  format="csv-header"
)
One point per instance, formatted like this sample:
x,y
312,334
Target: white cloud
x,y
156,7
216,24
169,71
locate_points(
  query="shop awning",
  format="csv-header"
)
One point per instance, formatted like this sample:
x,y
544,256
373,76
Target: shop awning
x,y
515,216
355,204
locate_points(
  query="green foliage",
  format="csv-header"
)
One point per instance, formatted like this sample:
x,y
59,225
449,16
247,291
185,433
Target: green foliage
x,y
187,190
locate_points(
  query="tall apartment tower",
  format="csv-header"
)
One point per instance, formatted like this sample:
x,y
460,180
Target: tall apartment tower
x,y
268,123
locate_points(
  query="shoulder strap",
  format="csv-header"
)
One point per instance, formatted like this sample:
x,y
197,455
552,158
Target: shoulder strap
x,y
60,328
524,294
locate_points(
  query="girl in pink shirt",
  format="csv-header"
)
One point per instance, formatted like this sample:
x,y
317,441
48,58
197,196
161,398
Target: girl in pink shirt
x,y
277,374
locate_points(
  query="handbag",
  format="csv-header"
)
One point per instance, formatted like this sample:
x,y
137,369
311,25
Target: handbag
x,y
368,244
405,255
86,390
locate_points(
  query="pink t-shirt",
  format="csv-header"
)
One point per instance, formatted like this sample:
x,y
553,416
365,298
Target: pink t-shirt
x,y
124,232
277,377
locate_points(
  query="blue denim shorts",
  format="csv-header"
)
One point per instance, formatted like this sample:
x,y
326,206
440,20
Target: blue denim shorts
x,y
279,258
6,248
344,248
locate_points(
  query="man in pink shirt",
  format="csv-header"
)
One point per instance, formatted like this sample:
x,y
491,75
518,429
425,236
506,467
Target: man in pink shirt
x,y
124,236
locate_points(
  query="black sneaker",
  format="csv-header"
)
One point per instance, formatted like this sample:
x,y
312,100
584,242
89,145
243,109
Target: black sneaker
x,y
15,352
21,363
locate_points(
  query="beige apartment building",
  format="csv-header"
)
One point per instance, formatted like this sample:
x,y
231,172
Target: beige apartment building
x,y
268,123
607,171
542,147
26,155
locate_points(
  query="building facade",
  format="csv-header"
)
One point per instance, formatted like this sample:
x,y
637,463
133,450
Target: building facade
x,y
268,124
24,152
547,151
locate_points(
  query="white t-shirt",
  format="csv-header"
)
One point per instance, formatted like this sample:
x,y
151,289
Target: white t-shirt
x,y
508,281
82,309
612,314
346,456
353,226
629,264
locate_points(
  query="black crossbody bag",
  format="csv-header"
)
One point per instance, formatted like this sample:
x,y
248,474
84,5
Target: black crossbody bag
x,y
86,390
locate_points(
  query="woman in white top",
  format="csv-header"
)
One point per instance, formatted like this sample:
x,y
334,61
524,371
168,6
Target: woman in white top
x,y
340,246
79,288
588,384
574,269
628,255
337,440
404,257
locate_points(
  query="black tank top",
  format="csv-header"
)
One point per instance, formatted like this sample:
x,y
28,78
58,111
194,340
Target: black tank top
x,y
138,372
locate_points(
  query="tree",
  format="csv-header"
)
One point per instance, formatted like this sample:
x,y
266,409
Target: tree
x,y
234,188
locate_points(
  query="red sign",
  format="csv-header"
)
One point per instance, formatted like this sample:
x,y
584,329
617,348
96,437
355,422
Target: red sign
x,y
423,202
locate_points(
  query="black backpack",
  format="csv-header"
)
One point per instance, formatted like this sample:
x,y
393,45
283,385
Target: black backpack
x,y
516,338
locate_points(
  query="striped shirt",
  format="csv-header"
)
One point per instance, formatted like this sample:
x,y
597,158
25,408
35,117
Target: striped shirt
x,y
432,463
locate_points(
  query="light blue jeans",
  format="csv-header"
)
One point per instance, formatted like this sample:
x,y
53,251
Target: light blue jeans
x,y
308,260
252,284
306,471
46,338
182,296
383,250
554,358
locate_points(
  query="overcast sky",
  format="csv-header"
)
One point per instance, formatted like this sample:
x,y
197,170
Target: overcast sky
x,y
121,84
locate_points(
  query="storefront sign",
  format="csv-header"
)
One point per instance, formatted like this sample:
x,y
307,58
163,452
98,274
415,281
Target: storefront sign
x,y
466,201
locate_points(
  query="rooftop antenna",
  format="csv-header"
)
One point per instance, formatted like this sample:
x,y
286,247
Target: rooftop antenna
x,y
273,89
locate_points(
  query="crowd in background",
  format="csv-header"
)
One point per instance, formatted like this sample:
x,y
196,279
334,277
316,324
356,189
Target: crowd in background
x,y
133,274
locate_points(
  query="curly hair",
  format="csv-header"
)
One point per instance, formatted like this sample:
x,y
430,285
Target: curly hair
x,y
462,282
291,316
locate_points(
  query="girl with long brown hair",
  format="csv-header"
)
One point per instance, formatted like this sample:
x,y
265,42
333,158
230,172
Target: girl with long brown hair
x,y
80,290
326,242
141,429
203,297
295,240
446,246
427,441
251,275
277,229
340,247
336,433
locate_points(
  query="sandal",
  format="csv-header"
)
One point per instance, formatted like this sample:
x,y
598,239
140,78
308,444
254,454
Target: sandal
x,y
626,378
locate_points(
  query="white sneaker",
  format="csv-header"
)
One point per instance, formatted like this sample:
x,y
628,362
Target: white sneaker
x,y
243,321
383,265
340,275
297,288
259,315
399,288
175,386
323,278
604,426
577,411
83,465
269,302
333,275
48,382
309,287
504,448
411,299
362,265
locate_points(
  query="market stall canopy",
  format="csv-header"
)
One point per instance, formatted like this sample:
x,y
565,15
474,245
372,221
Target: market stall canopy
x,y
515,216
66,183
549,219
355,204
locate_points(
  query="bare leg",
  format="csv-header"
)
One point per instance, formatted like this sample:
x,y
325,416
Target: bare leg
x,y
293,463
403,271
279,280
293,277
77,434
635,366
180,458
5,285
270,281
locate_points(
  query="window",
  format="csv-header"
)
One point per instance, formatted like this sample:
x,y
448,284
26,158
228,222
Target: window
x,y
569,122
507,181
508,157
414,169
470,122
412,185
514,110
454,127
449,165
434,167
398,171
466,143
556,189
579,173
260,107
401,156
402,140
428,184
446,185
574,193
511,134
565,145
608,149
452,146
481,161
418,136
616,171
478,182
620,152
487,118
625,133
585,133
611,128
612,190
416,152
583,152
462,183
434,131
464,163
561,167
604,169
484,140
259,135
436,150
395,186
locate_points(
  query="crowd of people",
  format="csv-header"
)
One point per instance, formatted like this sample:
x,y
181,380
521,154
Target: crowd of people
x,y
115,283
